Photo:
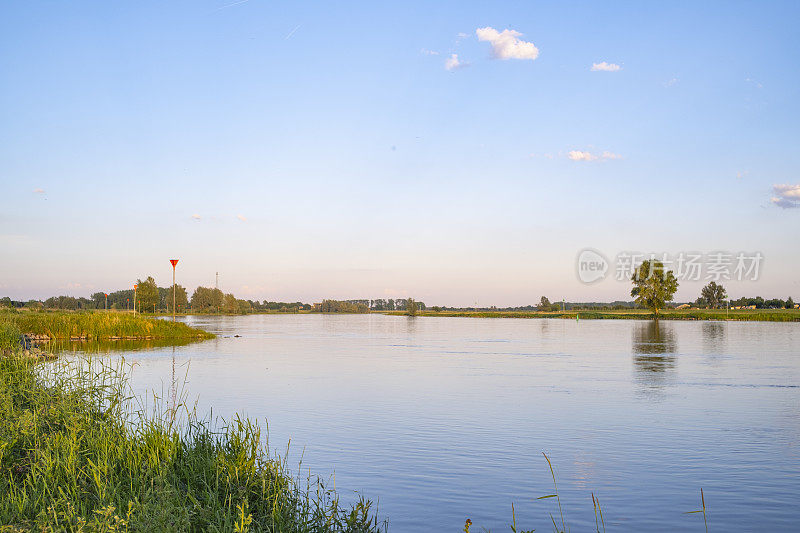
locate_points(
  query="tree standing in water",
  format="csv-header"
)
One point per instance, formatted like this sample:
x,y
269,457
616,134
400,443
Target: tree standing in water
x,y
653,286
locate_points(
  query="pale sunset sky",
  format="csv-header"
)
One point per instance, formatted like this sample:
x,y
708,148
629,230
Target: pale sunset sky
x,y
455,152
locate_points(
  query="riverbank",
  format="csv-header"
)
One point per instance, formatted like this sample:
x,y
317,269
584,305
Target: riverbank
x,y
761,315
85,325
76,456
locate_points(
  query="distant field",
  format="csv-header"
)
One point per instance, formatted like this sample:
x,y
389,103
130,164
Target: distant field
x,y
765,315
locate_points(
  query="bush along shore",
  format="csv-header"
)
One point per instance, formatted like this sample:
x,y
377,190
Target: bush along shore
x,y
76,455
96,326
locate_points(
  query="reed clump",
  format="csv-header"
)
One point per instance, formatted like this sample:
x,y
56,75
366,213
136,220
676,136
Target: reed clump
x,y
76,454
97,325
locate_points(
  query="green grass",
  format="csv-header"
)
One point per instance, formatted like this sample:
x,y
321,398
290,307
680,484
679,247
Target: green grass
x,y
77,455
764,315
97,325
9,337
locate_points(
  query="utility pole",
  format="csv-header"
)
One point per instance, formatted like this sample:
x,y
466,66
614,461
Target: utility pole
x,y
174,264
134,299
216,283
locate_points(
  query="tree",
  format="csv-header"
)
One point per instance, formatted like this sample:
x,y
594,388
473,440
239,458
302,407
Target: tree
x,y
411,307
147,294
99,299
713,295
181,301
544,304
789,303
653,286
207,299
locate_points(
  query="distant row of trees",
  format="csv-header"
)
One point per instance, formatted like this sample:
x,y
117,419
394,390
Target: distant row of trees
x,y
397,304
341,306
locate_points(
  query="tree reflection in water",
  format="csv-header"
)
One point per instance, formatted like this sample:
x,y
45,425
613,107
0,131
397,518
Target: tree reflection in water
x,y
654,346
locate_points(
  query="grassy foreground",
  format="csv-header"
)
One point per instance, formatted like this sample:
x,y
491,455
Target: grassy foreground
x,y
73,457
97,325
764,315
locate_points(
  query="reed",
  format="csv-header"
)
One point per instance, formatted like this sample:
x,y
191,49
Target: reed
x,y
76,454
98,325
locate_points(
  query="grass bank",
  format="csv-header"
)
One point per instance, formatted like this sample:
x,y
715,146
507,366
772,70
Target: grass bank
x,y
97,325
764,315
75,456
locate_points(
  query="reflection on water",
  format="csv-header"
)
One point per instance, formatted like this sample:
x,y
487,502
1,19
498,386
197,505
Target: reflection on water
x,y
714,337
654,346
107,346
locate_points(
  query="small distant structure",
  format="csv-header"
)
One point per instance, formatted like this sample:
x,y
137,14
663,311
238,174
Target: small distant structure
x,y
684,306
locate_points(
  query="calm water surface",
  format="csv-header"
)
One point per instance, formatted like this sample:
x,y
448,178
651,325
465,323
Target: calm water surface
x,y
440,419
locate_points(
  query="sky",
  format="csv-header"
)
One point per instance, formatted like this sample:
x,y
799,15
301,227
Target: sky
x,y
459,153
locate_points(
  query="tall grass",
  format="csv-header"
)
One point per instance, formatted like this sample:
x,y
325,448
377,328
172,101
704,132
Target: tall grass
x,y
98,325
77,455
9,337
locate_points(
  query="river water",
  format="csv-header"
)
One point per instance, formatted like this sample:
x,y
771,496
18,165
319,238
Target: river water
x,y
443,419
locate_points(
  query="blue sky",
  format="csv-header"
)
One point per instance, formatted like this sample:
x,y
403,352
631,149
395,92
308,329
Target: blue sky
x,y
311,150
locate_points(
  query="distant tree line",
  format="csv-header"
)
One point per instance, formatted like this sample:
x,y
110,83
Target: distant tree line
x,y
761,303
397,304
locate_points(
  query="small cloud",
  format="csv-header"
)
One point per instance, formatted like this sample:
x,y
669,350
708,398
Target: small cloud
x,y
38,191
578,155
506,44
453,63
605,67
754,82
786,196
462,35
581,155
242,218
741,174
427,52
670,82
196,217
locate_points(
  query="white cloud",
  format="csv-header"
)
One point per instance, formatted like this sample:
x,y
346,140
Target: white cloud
x,y
453,63
605,67
786,196
581,155
754,82
578,155
196,216
38,191
506,44
427,52
670,82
